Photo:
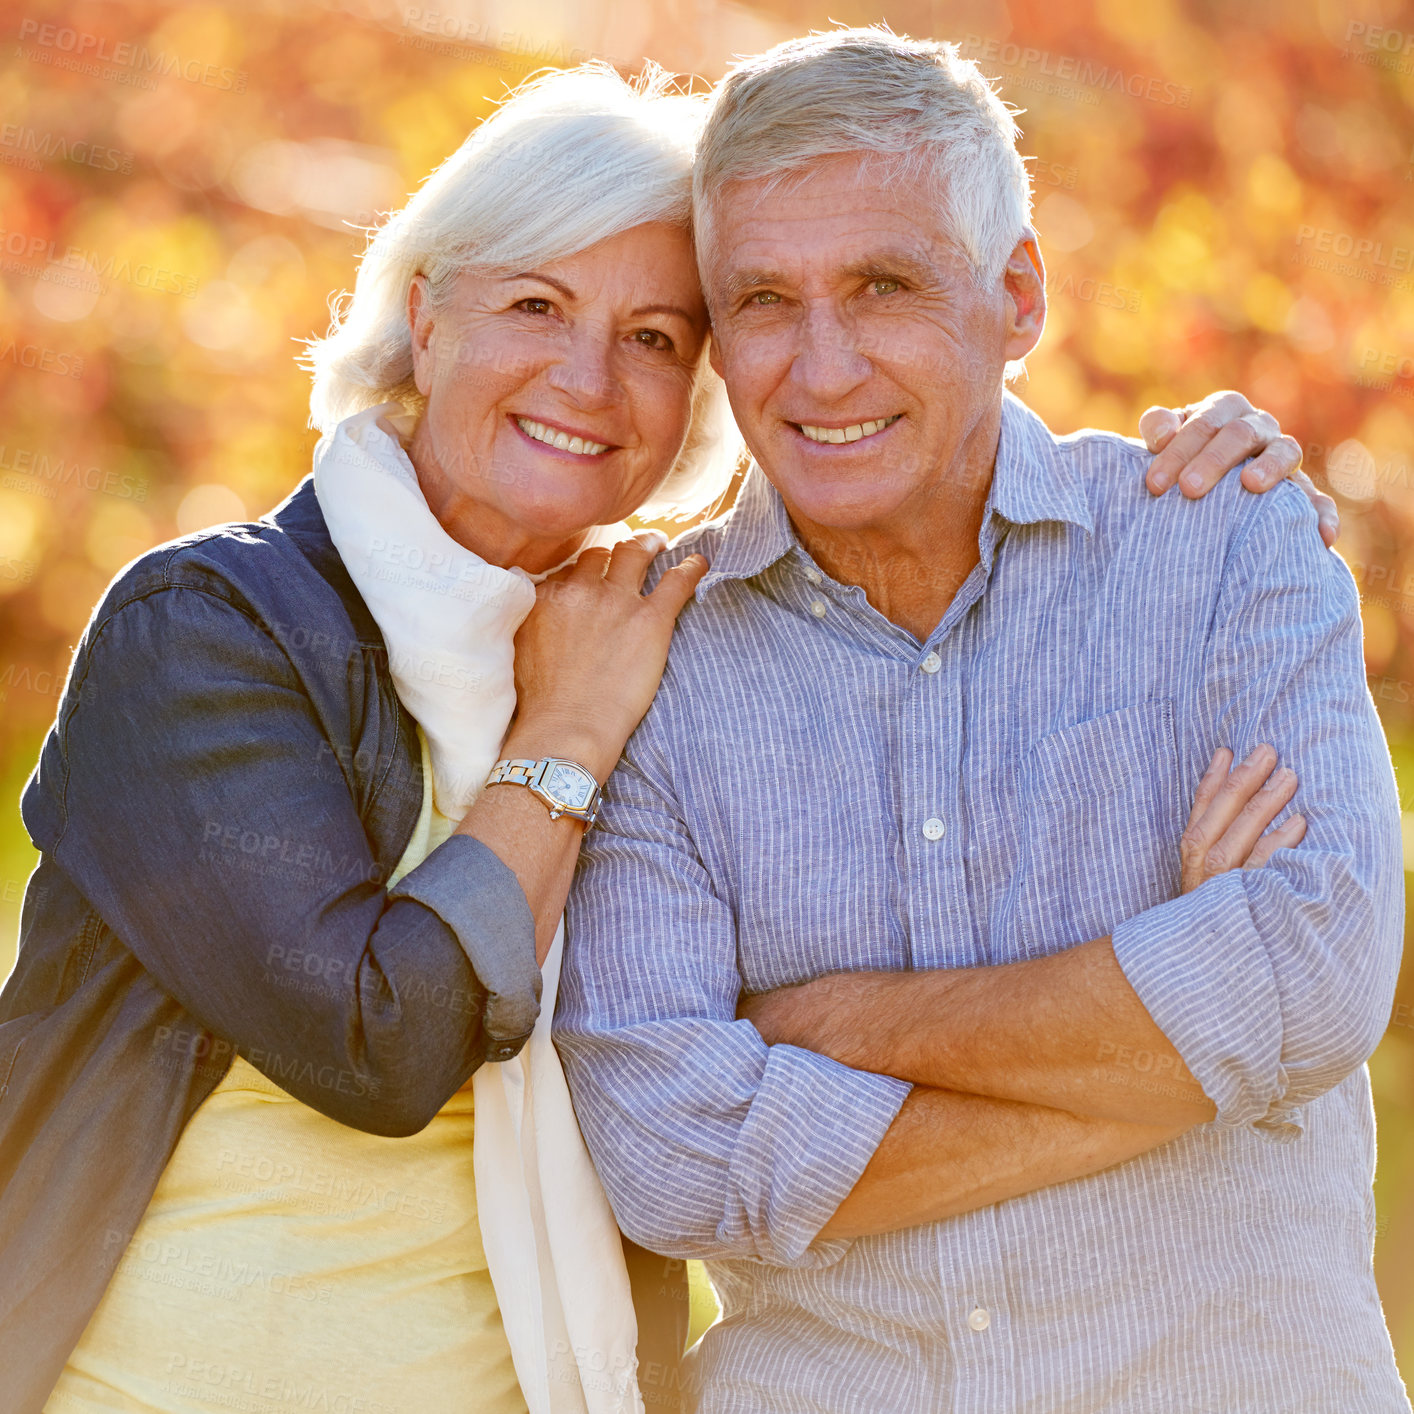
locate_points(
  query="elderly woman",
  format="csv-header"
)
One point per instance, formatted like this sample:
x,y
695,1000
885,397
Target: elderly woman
x,y
280,1127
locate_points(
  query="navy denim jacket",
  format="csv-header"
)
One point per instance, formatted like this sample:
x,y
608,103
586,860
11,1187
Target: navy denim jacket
x,y
229,782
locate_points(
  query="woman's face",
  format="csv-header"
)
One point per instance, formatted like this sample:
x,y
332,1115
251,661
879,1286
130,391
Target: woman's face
x,y
558,397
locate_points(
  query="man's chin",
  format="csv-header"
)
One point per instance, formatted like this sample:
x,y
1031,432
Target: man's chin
x,y
843,507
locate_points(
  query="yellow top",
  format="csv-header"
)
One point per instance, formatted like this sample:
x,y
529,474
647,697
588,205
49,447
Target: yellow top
x,y
287,1262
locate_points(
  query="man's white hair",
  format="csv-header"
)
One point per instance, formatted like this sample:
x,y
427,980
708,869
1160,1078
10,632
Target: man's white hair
x,y
569,159
869,90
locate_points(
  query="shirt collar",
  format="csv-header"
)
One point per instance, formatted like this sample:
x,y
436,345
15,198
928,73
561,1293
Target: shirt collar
x,y
1031,483
756,532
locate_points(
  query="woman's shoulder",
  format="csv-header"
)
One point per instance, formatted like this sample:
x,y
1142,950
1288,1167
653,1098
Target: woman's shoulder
x,y
281,571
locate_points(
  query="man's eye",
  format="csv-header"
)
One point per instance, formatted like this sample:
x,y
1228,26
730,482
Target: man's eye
x,y
765,297
883,287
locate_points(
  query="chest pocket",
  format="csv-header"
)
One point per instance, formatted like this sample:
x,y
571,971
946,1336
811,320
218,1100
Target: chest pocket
x,y
1102,817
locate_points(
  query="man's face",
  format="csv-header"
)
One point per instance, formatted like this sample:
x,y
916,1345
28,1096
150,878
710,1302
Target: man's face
x,y
863,361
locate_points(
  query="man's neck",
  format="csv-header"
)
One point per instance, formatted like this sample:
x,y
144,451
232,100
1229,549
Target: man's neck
x,y
912,566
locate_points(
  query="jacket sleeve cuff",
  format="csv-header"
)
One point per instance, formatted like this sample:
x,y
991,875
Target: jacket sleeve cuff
x,y
1201,969
479,898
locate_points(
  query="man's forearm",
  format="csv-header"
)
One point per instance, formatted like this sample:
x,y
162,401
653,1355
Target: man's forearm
x,y
1065,1031
948,1153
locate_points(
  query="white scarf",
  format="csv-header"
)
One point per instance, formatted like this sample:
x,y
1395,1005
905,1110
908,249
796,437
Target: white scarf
x,y
448,619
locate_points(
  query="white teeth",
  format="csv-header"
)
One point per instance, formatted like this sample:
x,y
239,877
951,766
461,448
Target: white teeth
x,y
854,433
561,440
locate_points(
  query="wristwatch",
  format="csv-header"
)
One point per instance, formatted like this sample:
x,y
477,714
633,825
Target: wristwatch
x,y
568,789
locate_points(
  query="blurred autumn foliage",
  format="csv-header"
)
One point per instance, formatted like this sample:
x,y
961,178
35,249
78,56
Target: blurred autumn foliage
x,y
1222,192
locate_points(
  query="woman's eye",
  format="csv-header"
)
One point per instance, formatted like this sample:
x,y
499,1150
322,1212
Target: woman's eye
x,y
884,287
534,306
654,339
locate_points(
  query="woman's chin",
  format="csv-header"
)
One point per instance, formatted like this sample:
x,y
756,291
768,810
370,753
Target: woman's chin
x,y
553,516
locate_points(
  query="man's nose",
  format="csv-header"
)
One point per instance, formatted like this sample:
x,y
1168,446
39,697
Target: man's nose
x,y
830,362
585,373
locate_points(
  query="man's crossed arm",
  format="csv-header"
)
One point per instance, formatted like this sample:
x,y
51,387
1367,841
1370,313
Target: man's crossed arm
x,y
1272,984
1066,1031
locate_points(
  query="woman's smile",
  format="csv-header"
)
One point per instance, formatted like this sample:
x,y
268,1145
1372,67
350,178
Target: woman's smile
x,y
555,438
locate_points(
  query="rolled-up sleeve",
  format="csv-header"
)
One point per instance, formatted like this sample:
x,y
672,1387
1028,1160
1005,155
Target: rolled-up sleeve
x,y
1275,984
709,1143
478,897
199,820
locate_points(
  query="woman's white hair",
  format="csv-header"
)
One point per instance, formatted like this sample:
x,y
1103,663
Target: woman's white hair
x,y
569,159
869,90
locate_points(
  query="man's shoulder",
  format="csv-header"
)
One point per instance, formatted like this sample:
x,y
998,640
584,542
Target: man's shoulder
x,y
704,540
1110,471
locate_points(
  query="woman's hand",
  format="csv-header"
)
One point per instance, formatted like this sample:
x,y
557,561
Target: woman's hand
x,y
1198,445
589,655
1231,809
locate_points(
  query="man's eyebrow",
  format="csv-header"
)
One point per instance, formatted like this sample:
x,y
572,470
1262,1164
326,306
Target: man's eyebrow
x,y
884,265
744,280
889,264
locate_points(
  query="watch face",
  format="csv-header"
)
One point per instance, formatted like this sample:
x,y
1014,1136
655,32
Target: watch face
x,y
569,785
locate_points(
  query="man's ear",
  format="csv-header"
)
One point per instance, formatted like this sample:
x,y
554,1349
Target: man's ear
x,y
1024,281
421,325
714,355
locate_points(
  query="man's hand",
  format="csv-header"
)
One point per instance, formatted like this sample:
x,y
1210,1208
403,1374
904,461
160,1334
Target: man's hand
x,y
1198,445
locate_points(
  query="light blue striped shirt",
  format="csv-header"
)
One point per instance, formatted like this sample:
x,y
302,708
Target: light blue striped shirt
x,y
766,825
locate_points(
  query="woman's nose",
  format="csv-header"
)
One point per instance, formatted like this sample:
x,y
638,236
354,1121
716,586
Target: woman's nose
x,y
585,373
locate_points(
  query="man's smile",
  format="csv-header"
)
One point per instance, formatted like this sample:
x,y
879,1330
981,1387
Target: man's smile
x,y
853,432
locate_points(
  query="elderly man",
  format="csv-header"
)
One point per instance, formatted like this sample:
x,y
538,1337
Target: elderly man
x,y
1019,1126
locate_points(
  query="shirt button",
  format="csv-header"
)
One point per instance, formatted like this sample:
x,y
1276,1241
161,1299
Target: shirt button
x,y
817,608
931,663
979,1318
813,575
933,828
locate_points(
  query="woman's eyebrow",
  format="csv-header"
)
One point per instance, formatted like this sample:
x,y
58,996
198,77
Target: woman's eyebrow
x,y
686,315
544,280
